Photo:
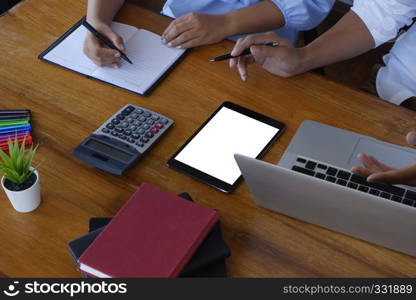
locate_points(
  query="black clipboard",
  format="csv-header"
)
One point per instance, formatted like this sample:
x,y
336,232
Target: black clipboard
x,y
78,24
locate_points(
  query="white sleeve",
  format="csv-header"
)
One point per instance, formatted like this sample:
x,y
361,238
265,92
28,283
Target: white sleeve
x,y
384,18
304,14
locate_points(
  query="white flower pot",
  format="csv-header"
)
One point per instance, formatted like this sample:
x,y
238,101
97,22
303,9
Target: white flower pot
x,y
26,200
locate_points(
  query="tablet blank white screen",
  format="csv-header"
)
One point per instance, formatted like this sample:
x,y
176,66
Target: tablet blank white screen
x,y
212,150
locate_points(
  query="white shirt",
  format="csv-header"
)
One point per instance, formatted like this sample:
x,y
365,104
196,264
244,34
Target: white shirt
x,y
396,81
299,14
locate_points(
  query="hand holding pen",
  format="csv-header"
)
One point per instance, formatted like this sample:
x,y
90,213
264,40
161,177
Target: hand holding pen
x,y
98,51
246,51
283,60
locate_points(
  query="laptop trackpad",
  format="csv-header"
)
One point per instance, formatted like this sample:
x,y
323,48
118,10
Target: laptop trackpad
x,y
388,154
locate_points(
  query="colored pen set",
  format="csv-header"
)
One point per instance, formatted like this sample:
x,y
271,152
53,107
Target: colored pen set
x,y
14,124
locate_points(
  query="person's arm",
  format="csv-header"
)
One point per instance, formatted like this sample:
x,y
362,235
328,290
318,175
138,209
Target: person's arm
x,y
298,15
346,39
259,17
100,14
369,24
102,11
197,29
350,37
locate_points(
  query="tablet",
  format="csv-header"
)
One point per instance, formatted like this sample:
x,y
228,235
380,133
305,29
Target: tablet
x,y
208,155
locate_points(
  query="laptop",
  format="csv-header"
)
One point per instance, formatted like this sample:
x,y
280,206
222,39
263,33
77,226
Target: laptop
x,y
313,182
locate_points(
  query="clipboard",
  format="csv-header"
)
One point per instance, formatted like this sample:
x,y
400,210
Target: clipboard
x,y
46,56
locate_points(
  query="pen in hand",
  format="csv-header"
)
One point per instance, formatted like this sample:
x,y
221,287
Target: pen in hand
x,y
104,39
245,52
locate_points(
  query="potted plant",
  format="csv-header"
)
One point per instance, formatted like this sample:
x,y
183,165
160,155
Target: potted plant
x,y
20,180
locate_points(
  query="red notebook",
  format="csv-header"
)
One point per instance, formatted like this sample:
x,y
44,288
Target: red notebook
x,y
153,235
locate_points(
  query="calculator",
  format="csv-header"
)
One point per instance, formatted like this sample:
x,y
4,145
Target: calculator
x,y
123,139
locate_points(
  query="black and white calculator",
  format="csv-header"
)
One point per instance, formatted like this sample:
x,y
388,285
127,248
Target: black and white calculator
x,y
123,139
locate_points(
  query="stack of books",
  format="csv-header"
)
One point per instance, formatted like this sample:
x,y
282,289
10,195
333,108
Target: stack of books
x,y
14,124
155,234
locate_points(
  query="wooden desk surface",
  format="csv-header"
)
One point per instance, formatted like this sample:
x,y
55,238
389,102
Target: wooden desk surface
x,y
67,107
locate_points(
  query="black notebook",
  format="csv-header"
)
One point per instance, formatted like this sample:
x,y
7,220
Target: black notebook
x,y
151,59
208,260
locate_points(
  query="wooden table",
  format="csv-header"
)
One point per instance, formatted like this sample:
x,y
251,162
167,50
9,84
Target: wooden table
x,y
68,107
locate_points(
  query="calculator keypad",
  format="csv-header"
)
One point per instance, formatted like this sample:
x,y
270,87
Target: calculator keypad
x,y
136,126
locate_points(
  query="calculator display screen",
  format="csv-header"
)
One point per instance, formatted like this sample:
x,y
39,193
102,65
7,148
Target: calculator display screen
x,y
212,150
113,152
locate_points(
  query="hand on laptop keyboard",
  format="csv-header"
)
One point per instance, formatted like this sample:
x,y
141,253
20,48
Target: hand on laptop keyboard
x,y
376,171
350,180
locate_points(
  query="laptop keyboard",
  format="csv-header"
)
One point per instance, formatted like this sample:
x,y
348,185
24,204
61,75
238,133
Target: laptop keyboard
x,y
350,180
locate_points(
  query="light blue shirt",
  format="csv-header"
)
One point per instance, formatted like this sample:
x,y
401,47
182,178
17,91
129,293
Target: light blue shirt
x,y
299,15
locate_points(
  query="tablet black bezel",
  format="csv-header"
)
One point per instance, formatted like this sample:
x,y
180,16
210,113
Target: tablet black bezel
x,y
208,179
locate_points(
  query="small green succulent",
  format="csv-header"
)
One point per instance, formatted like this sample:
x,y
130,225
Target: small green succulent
x,y
16,165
